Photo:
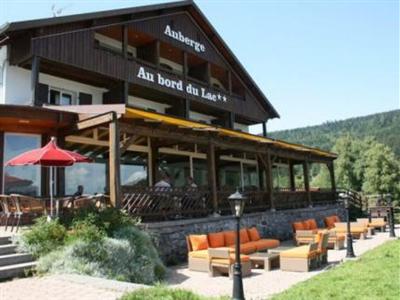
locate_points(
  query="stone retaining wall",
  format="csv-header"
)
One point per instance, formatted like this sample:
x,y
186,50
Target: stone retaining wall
x,y
170,236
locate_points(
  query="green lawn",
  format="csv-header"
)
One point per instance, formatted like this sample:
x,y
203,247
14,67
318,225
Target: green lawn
x,y
376,275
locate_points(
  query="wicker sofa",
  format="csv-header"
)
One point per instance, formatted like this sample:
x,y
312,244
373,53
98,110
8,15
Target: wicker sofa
x,y
250,242
358,230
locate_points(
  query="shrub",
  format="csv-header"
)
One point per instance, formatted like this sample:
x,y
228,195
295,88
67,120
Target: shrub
x,y
130,256
164,293
42,238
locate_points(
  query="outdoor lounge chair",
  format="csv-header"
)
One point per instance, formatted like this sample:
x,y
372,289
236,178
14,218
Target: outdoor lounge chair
x,y
322,240
375,223
330,221
357,230
222,260
300,259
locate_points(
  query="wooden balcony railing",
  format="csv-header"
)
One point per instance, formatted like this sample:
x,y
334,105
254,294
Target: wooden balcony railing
x,y
160,204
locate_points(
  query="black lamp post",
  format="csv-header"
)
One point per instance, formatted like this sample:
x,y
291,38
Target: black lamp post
x,y
391,216
237,201
349,246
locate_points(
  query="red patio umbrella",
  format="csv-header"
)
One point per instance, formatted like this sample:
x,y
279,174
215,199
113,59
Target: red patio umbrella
x,y
51,156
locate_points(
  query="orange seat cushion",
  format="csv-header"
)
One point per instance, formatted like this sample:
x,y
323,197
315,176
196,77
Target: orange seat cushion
x,y
198,241
253,234
265,244
231,260
330,221
244,237
246,248
306,226
199,254
216,239
298,226
336,218
312,224
230,238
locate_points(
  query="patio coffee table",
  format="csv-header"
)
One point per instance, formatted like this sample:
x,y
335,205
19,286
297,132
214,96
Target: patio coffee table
x,y
264,259
279,249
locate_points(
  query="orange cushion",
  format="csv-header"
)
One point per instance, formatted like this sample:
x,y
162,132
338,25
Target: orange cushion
x,y
298,226
198,241
246,248
298,252
336,218
312,224
330,221
265,244
253,234
216,239
229,237
305,225
244,237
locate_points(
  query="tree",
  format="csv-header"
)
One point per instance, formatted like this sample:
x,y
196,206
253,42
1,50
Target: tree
x,y
382,170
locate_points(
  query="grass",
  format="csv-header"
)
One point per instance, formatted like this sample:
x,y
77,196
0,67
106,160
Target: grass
x,y
164,293
375,275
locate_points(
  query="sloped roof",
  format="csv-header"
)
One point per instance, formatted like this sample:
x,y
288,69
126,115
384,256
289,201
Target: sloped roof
x,y
187,5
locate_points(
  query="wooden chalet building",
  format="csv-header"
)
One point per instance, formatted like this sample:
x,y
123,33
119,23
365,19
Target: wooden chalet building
x,y
145,91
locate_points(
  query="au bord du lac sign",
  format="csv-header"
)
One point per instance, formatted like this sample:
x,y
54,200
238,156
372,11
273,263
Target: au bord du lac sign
x,y
179,85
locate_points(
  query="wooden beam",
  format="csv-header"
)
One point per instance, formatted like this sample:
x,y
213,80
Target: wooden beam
x,y
185,64
331,169
125,41
125,92
267,164
114,162
153,167
306,174
264,128
94,121
212,176
125,144
291,177
44,171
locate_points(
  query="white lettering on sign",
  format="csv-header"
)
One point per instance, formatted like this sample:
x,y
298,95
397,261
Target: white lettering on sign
x,y
179,85
177,35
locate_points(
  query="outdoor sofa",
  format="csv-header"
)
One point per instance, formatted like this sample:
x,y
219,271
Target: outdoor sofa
x,y
250,242
305,232
375,223
358,230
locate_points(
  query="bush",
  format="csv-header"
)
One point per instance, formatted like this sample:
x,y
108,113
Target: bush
x,y
42,238
164,293
130,256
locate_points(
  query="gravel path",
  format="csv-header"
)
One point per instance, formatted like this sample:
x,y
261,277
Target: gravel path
x,y
261,284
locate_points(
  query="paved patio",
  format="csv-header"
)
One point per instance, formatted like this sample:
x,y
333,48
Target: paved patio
x,y
259,286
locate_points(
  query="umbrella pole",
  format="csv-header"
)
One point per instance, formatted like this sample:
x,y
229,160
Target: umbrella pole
x,y
51,192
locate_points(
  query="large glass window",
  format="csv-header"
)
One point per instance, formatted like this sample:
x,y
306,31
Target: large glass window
x,y
250,177
229,175
200,174
21,179
92,176
134,170
176,166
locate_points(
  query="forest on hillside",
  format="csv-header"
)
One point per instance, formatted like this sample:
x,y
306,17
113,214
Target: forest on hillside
x,y
383,127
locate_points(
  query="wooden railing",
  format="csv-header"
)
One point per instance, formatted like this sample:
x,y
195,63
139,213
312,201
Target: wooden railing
x,y
160,204
157,204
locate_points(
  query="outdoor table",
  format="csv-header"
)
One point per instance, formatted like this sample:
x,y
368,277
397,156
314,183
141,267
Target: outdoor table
x,y
264,259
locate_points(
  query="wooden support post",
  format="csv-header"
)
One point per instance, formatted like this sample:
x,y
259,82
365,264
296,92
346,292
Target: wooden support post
x,y
230,82
153,168
264,128
125,41
208,74
185,64
231,120
44,171
306,173
114,162
125,92
331,169
269,180
291,176
157,54
212,176
35,80
186,108
1,161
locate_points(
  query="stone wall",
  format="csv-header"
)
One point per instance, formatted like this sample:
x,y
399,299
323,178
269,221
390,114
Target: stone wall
x,y
170,236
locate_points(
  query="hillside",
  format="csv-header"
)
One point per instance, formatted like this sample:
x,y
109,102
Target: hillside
x,y
384,127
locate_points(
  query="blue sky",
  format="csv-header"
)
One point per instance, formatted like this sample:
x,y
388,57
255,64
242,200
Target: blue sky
x,y
316,61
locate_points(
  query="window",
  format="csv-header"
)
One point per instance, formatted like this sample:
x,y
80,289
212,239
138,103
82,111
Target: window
x,y
61,97
21,179
176,166
134,170
200,172
92,176
229,175
250,177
